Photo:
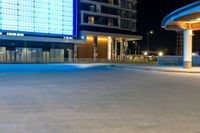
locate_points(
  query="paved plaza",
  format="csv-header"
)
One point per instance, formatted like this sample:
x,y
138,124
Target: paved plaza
x,y
97,99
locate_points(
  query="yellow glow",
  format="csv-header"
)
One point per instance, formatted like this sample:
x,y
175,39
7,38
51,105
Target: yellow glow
x,y
90,38
192,21
100,38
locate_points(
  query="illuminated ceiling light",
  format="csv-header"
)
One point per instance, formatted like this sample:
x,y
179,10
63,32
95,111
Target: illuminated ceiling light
x,y
102,38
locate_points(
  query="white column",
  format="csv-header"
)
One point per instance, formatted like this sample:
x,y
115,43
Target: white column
x,y
109,48
116,48
125,49
75,53
187,51
113,48
70,55
122,49
95,54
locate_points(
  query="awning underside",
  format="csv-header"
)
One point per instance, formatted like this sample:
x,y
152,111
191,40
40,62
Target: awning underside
x,y
185,18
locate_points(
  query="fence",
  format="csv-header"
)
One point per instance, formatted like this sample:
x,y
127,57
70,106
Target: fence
x,y
177,60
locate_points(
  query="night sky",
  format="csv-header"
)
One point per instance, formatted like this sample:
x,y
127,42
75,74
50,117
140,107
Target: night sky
x,y
150,15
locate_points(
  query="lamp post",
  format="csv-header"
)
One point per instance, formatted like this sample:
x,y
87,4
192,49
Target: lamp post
x,y
151,32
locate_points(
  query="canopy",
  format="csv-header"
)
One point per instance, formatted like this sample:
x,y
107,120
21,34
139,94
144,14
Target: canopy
x,y
187,17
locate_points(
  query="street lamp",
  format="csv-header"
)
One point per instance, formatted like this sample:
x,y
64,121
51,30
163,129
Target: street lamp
x,y
151,32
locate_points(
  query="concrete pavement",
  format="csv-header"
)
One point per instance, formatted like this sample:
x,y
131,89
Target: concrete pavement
x,y
97,99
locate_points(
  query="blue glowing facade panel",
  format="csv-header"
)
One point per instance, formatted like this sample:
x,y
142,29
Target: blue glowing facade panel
x,y
49,17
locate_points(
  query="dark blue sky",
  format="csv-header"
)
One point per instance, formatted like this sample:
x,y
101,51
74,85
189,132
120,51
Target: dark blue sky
x,y
150,15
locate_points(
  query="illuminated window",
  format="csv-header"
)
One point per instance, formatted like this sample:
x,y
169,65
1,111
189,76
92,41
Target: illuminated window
x,y
91,19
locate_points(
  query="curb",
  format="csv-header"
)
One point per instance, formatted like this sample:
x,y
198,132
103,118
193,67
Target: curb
x,y
157,69
175,71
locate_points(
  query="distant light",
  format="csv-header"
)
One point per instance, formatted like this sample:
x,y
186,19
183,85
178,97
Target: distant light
x,y
145,53
151,32
195,54
160,54
67,38
82,37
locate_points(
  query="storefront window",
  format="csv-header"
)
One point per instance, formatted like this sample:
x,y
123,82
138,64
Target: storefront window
x,y
57,55
2,54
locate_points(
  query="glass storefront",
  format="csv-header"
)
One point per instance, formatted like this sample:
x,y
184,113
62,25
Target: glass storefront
x,y
10,56
31,55
2,54
57,55
28,55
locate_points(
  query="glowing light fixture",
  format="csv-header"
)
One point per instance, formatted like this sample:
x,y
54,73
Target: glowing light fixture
x,y
151,32
145,53
160,54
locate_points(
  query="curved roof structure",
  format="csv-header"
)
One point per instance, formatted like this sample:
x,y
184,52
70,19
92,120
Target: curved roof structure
x,y
187,17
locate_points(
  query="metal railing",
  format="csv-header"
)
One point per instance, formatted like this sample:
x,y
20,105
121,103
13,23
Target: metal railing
x,y
177,60
170,60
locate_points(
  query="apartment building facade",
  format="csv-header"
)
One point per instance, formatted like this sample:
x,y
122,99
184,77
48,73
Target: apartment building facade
x,y
44,31
107,26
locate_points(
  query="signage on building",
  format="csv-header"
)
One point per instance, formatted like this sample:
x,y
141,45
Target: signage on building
x,y
48,17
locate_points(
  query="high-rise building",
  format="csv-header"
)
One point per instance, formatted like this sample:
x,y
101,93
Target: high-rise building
x,y
107,26
38,31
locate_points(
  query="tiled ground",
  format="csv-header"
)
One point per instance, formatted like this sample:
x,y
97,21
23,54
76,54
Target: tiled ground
x,y
98,99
